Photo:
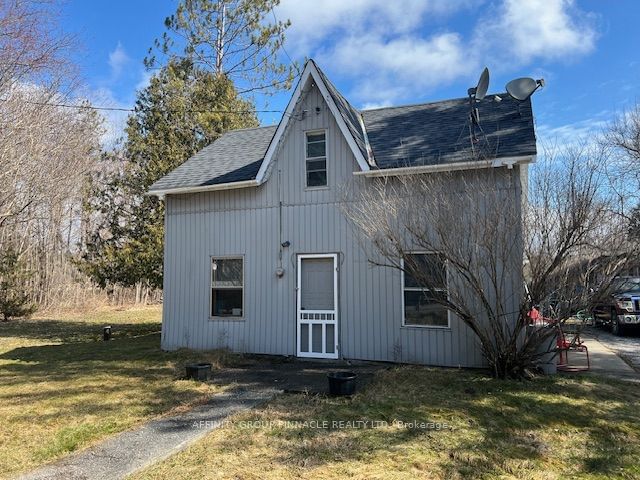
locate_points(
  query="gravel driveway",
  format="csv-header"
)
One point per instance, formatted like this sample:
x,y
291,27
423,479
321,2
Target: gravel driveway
x,y
627,347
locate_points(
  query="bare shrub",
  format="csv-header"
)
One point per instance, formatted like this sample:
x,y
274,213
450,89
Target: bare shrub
x,y
490,237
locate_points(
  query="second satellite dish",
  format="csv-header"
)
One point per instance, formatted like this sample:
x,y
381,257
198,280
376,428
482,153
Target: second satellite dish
x,y
522,88
480,90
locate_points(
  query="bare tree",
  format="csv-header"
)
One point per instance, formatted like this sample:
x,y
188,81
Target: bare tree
x,y
46,151
482,229
624,134
32,49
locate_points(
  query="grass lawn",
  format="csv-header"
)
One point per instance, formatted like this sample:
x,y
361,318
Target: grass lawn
x,y
62,388
563,427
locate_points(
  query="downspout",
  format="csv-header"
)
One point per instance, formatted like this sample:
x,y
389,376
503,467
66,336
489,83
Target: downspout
x,y
280,269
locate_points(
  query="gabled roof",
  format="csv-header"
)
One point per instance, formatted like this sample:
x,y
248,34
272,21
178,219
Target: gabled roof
x,y
421,135
342,114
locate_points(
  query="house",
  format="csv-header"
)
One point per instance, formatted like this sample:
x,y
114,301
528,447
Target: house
x,y
259,257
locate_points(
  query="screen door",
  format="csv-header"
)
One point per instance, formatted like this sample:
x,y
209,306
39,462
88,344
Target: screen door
x,y
318,306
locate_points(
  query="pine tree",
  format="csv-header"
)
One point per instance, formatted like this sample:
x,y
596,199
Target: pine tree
x,y
182,110
239,39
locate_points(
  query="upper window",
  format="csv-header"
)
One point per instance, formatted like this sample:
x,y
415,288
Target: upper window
x,y
425,280
316,159
227,285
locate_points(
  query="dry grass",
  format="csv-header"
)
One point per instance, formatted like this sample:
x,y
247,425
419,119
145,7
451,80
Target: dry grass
x,y
549,428
62,388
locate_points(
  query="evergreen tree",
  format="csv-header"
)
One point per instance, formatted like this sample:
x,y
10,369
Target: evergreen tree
x,y
182,110
14,300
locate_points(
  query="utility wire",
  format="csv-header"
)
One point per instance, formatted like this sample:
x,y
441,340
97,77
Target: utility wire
x,y
124,109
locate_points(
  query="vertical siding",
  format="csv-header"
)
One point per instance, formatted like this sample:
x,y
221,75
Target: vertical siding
x,y
246,222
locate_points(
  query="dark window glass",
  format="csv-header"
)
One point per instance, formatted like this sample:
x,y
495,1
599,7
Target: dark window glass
x,y
316,179
316,163
226,287
425,269
316,149
315,137
226,272
226,302
419,309
425,283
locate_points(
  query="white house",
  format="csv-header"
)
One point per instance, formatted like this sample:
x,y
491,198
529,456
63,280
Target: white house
x,y
260,259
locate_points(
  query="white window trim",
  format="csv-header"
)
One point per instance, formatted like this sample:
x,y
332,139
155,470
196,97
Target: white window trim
x,y
326,158
402,289
226,318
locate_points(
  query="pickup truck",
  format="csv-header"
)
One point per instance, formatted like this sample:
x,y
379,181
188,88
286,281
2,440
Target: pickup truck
x,y
620,311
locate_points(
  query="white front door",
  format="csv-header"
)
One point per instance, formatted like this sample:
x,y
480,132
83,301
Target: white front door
x,y
317,312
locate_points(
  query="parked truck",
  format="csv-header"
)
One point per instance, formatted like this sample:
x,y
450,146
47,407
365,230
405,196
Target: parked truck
x,y
620,310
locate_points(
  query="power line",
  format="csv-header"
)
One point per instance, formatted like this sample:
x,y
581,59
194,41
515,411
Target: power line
x,y
293,64
124,109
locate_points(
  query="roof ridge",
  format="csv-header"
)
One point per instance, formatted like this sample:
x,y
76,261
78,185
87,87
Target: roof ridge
x,y
250,128
433,102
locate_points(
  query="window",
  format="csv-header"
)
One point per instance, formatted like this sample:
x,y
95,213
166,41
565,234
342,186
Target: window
x,y
420,305
227,285
316,159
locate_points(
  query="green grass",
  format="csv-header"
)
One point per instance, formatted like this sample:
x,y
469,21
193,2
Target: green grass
x,y
62,388
548,428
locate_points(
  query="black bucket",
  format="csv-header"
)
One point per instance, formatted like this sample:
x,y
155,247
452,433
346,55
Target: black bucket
x,y
199,371
342,383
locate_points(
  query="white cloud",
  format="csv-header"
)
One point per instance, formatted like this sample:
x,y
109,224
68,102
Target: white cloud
x,y
118,60
578,133
312,22
527,30
398,67
374,105
396,51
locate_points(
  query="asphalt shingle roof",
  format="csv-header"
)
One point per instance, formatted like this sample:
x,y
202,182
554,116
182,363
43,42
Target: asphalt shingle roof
x,y
438,132
349,113
412,135
234,157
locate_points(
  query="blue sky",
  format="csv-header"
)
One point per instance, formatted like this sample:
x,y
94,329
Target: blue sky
x,y
385,52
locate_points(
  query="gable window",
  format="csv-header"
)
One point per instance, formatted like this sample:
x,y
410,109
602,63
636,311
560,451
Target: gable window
x,y
227,286
421,291
316,159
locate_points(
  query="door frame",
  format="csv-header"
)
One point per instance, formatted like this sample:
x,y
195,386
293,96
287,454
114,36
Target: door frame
x,y
335,354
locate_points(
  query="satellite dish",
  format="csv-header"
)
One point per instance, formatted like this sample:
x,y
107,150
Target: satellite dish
x,y
480,90
483,84
522,88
